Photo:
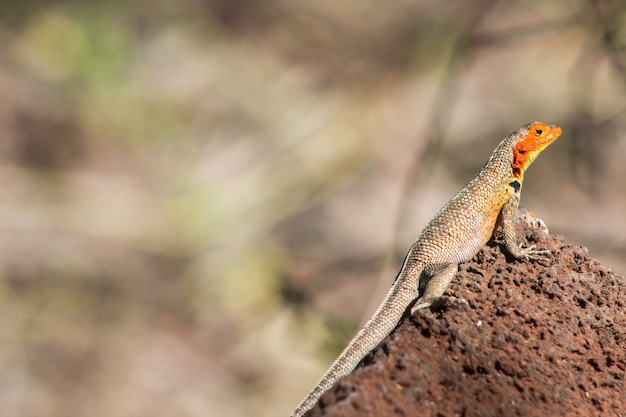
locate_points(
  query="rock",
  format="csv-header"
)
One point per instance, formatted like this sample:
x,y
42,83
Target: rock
x,y
541,338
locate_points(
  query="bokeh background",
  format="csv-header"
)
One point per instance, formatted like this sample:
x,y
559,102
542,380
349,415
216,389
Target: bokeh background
x,y
202,200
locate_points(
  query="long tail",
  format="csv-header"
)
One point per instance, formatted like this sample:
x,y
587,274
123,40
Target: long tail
x,y
386,318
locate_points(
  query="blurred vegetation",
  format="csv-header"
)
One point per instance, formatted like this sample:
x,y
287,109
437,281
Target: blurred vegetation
x,y
199,198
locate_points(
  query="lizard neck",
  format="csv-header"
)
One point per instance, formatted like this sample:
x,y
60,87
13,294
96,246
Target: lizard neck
x,y
500,169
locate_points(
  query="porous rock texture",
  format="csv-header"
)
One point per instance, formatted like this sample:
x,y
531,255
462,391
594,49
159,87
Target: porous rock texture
x,y
544,338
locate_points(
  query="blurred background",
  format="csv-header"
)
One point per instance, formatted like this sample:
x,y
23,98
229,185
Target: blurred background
x,y
202,200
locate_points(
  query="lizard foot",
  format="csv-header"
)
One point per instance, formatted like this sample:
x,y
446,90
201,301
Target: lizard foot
x,y
532,254
444,299
422,303
449,299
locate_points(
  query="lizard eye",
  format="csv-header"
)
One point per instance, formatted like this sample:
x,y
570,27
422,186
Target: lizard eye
x,y
538,131
521,151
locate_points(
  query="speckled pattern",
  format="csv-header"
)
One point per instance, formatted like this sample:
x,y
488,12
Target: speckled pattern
x,y
456,233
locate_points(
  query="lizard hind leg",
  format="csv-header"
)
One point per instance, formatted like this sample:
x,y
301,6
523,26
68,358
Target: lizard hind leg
x,y
435,287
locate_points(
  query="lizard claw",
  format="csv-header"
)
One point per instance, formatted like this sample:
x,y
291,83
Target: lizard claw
x,y
531,253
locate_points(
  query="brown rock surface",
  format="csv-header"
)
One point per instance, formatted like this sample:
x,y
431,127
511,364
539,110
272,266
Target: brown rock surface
x,y
536,339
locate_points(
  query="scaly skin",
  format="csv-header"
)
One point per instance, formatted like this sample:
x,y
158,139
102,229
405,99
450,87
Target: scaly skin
x,y
454,235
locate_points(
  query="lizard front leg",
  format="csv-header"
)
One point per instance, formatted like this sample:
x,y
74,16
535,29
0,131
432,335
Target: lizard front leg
x,y
508,215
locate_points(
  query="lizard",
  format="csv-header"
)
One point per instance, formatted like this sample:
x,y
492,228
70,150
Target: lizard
x,y
455,235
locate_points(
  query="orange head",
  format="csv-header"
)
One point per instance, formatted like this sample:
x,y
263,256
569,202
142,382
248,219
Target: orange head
x,y
538,137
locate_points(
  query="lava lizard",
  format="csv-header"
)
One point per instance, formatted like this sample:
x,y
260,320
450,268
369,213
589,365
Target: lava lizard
x,y
454,235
